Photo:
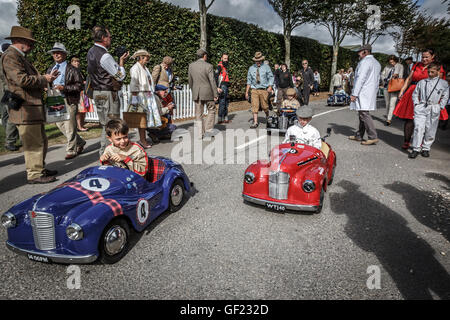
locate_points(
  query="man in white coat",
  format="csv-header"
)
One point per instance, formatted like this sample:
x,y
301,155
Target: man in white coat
x,y
364,94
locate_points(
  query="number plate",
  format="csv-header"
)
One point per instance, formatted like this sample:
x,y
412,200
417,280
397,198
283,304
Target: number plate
x,y
276,207
38,258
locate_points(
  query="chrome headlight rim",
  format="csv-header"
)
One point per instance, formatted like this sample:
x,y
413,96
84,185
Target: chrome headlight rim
x,y
8,220
74,232
249,177
309,186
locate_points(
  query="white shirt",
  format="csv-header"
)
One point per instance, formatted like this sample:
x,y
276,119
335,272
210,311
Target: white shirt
x,y
111,66
367,81
306,135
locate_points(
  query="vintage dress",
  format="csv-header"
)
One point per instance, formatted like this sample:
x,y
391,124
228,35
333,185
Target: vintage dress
x,y
405,106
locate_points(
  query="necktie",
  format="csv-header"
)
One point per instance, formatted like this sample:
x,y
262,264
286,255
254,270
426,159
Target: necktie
x,y
258,76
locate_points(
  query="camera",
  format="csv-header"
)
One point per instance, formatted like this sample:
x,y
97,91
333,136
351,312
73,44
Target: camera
x,y
120,51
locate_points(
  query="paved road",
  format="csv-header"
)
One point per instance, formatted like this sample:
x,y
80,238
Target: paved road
x,y
383,211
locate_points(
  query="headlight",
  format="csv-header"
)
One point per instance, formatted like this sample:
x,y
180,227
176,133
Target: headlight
x,y
309,186
249,177
74,232
8,220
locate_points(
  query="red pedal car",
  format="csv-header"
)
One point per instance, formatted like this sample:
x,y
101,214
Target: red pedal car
x,y
295,178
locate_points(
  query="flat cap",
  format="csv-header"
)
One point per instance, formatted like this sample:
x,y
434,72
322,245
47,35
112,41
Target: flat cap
x,y
305,112
365,47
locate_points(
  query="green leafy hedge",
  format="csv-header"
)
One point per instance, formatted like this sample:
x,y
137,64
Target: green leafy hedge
x,y
165,29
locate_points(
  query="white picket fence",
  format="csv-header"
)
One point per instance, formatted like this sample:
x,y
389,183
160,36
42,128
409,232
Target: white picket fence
x,y
183,100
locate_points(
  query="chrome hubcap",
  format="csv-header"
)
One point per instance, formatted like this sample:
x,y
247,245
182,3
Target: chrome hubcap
x,y
115,240
177,195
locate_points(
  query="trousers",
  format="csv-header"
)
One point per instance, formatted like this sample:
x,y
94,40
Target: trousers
x,y
11,132
69,129
366,124
202,123
426,121
35,146
108,108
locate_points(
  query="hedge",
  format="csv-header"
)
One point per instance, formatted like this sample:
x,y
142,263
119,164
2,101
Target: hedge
x,y
165,29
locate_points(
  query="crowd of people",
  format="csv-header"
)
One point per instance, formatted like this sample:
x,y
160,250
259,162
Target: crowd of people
x,y
414,93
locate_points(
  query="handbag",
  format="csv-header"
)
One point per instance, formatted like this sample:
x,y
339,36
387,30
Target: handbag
x,y
55,107
396,85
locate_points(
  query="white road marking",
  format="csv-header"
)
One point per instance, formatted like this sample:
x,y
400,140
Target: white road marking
x,y
245,145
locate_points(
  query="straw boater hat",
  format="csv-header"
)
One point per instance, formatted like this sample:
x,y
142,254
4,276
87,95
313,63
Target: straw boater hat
x,y
291,92
305,112
21,32
259,57
58,47
140,53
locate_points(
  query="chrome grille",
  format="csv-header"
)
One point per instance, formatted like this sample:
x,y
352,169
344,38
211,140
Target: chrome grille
x,y
278,185
43,225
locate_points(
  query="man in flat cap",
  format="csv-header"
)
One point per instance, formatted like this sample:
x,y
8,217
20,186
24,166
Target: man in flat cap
x,y
204,91
364,95
260,79
11,132
25,104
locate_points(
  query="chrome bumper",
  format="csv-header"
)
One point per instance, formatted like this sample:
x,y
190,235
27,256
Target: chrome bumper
x,y
293,207
56,258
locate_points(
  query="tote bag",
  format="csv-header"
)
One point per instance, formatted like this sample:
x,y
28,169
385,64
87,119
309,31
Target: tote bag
x,y
55,106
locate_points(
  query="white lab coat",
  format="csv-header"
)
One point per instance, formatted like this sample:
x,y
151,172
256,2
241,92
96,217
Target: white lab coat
x,y
367,82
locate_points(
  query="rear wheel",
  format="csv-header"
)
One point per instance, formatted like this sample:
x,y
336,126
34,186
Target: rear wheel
x,y
177,196
115,241
332,175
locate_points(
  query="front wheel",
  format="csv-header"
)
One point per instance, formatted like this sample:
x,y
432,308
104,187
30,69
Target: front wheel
x,y
322,197
115,241
332,175
177,196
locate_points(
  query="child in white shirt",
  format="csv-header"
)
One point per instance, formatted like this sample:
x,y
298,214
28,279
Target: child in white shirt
x,y
304,132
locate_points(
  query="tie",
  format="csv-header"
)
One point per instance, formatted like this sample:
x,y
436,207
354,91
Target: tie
x,y
258,76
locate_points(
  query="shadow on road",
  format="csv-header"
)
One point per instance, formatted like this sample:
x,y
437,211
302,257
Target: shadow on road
x,y
377,229
64,166
20,159
429,208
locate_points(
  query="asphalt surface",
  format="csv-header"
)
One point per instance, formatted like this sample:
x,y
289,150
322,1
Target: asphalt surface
x,y
382,211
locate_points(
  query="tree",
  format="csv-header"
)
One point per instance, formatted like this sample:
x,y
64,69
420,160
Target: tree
x,y
424,32
375,17
338,17
293,13
203,16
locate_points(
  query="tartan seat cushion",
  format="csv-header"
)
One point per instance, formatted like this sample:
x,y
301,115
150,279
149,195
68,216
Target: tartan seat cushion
x,y
155,170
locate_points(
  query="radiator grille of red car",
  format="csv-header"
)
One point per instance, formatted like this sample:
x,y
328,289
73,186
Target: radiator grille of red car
x,y
278,185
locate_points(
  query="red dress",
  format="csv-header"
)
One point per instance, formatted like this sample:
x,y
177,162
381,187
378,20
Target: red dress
x,y
405,106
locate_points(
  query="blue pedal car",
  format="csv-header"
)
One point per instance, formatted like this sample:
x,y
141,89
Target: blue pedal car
x,y
91,216
338,100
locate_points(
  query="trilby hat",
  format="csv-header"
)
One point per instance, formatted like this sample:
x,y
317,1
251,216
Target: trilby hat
x,y
259,57
58,47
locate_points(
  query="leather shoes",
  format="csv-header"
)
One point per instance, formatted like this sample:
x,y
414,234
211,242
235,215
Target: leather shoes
x,y
49,173
42,180
370,142
413,155
425,153
11,147
70,156
354,138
